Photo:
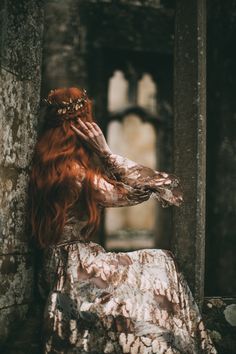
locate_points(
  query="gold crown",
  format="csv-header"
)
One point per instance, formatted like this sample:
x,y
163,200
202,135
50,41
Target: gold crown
x,y
71,106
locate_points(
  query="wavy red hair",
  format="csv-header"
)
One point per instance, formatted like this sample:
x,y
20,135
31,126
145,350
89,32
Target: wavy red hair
x,y
53,186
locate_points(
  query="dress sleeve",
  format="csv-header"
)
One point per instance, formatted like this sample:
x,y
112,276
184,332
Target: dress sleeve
x,y
112,193
162,186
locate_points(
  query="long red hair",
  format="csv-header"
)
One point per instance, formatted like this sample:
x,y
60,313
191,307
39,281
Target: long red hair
x,y
53,186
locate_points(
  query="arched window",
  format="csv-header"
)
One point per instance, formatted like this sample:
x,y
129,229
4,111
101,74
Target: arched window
x,y
147,93
118,92
132,135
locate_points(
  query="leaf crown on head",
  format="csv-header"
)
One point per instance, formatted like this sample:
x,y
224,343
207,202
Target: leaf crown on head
x,y
67,107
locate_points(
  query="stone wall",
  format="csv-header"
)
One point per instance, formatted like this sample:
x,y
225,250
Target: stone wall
x,y
219,315
21,36
221,150
64,46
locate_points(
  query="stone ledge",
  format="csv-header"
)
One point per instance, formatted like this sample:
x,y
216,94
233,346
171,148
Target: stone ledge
x,y
219,314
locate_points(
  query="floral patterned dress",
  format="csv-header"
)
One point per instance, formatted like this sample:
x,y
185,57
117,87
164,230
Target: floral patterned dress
x,y
127,302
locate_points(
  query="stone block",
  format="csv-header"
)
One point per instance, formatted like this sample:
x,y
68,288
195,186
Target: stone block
x,y
16,278
220,317
19,101
22,23
8,317
13,218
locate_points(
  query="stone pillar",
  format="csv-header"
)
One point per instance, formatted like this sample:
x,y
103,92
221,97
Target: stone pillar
x,y
164,81
21,35
190,139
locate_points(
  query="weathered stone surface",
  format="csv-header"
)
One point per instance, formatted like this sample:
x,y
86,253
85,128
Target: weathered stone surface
x,y
8,317
230,314
16,278
189,148
25,339
20,35
13,197
149,3
221,150
220,316
18,110
63,65
123,23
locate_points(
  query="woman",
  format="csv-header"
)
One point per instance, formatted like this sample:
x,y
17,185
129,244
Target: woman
x,y
98,301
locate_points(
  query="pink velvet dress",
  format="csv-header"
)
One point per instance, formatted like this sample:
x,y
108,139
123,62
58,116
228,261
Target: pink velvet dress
x,y
127,302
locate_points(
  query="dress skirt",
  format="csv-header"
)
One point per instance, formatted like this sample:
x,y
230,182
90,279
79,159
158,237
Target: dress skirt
x,y
127,302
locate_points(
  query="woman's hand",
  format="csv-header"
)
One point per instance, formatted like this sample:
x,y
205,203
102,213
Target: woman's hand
x,y
93,136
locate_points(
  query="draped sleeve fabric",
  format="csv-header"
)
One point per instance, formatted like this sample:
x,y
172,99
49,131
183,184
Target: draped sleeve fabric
x,y
162,186
109,192
117,194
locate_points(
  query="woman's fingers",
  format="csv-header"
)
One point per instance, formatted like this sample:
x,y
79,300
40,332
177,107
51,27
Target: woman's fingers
x,y
83,126
79,133
86,127
97,128
81,123
91,129
92,135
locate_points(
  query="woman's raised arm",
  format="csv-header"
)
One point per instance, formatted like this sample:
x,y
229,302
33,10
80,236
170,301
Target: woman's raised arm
x,y
111,193
162,186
